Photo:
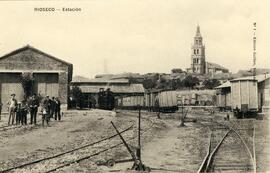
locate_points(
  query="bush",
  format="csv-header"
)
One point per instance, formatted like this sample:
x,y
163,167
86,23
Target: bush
x,y
27,81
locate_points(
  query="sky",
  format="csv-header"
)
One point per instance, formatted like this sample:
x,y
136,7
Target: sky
x,y
139,36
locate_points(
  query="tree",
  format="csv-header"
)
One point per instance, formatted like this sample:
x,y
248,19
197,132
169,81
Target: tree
x,y
177,84
211,83
77,95
177,70
27,81
149,84
190,82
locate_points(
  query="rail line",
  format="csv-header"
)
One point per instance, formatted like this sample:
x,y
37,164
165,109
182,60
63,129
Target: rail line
x,y
63,153
102,151
232,139
76,149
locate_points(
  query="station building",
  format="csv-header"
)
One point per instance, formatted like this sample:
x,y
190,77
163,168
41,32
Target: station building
x,y
52,76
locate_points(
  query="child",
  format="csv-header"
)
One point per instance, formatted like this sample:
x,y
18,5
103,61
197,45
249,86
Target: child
x,y
45,117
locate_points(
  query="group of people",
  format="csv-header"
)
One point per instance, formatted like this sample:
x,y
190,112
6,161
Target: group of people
x,y
106,99
50,108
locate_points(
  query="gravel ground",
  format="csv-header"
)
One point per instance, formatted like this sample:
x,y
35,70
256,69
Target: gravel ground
x,y
166,147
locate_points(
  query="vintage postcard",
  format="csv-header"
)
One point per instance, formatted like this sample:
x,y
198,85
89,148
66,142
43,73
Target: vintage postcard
x,y
127,86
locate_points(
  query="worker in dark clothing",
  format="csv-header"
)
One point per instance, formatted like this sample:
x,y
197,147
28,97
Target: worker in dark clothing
x,y
101,98
57,113
237,112
52,108
18,114
110,99
1,104
46,110
33,105
23,111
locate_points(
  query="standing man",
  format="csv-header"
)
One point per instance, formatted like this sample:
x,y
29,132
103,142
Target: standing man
x,y
57,113
12,105
1,104
34,104
52,107
24,111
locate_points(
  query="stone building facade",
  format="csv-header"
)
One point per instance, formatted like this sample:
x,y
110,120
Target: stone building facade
x,y
51,75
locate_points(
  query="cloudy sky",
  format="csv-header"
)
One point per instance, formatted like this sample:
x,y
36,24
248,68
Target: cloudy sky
x,y
138,35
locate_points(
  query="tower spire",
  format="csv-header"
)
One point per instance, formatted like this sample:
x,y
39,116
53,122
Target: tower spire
x,y
198,33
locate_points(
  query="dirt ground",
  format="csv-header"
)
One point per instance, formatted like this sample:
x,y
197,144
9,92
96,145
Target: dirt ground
x,y
166,147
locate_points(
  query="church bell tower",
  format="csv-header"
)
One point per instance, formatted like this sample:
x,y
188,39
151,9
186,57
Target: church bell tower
x,y
198,54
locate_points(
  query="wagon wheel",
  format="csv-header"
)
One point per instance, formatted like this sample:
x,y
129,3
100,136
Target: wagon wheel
x,y
110,163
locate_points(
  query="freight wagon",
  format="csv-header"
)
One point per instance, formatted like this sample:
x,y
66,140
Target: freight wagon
x,y
130,102
167,101
244,96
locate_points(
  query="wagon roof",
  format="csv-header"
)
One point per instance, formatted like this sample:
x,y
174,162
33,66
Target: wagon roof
x,y
28,47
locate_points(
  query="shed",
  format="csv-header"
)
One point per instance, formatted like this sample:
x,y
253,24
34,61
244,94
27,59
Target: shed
x,y
51,75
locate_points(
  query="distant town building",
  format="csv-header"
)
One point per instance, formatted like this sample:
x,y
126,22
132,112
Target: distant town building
x,y
51,75
198,60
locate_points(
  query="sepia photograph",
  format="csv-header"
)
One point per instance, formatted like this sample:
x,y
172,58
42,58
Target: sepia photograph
x,y
134,86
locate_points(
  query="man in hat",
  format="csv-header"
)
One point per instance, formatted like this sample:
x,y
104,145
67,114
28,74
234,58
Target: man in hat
x,y
12,105
52,108
57,109
34,104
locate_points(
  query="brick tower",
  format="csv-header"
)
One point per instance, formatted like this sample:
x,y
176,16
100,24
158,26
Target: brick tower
x,y
198,54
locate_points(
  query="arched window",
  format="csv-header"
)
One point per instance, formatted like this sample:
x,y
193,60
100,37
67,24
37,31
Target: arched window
x,y
197,51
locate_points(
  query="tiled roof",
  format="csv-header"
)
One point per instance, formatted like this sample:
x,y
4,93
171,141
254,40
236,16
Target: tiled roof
x,y
80,79
131,88
214,65
35,50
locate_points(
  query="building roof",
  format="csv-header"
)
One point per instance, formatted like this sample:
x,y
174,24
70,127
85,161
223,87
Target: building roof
x,y
80,79
214,65
224,85
259,78
128,89
28,47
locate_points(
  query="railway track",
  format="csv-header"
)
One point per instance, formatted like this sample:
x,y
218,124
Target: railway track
x,y
231,148
57,156
67,158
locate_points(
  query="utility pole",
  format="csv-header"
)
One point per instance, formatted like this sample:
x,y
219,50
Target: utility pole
x,y
254,51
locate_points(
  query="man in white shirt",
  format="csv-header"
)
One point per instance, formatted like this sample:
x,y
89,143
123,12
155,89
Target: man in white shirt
x,y
12,105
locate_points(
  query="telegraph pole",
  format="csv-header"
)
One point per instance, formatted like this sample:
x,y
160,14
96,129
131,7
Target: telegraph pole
x,y
254,51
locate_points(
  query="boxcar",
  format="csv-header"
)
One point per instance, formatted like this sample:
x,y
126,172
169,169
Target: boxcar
x,y
167,101
244,95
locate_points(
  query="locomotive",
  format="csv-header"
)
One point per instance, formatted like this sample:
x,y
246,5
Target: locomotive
x,y
106,99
